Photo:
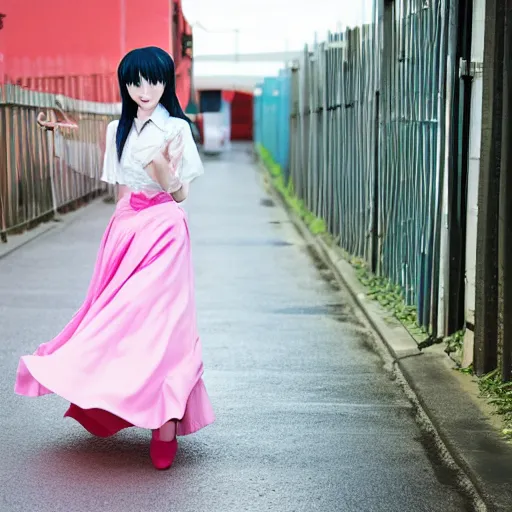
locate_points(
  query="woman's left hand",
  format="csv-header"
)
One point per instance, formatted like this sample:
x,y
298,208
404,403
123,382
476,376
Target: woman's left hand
x,y
164,167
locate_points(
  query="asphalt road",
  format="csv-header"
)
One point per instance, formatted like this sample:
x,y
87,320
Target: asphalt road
x,y
308,417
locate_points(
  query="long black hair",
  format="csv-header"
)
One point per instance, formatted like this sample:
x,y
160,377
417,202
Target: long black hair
x,y
154,65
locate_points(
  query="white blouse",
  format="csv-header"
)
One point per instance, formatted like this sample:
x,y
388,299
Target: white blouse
x,y
144,141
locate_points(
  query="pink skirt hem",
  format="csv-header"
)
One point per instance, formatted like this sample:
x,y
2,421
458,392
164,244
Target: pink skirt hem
x,y
131,355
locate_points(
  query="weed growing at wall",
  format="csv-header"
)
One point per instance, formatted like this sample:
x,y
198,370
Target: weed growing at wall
x,y
454,344
390,297
499,394
315,224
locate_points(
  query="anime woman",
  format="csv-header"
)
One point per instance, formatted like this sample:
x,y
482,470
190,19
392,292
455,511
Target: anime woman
x,y
131,355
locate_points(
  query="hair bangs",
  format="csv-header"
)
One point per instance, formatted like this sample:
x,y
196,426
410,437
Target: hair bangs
x,y
147,63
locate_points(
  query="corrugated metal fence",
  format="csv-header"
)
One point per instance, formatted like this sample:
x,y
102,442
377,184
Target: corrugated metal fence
x,y
43,171
363,142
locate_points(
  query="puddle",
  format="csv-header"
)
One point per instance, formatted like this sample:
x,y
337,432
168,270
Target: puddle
x,y
339,312
244,243
267,202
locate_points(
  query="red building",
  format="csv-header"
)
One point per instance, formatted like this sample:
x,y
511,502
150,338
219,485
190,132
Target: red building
x,y
242,116
73,47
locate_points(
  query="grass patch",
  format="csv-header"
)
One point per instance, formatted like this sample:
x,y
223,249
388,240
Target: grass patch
x,y
315,224
498,394
492,388
454,342
390,297
454,346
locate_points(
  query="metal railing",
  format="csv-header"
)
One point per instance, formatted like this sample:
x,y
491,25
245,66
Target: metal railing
x,y
43,171
365,144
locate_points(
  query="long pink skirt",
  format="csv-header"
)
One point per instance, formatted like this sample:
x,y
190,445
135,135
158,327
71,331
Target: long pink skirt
x,y
131,355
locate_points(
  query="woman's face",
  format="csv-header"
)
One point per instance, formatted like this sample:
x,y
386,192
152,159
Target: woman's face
x,y
146,95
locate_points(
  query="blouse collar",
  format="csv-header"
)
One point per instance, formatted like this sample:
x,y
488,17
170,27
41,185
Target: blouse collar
x,y
159,118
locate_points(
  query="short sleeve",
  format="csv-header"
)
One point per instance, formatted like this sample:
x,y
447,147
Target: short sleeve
x,y
110,160
191,165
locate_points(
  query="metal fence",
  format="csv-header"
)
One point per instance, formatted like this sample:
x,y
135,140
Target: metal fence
x,y
42,171
365,143
415,57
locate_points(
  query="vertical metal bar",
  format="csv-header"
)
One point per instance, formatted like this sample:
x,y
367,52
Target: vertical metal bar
x,y
376,167
458,175
386,34
436,235
450,127
3,170
324,155
505,217
486,283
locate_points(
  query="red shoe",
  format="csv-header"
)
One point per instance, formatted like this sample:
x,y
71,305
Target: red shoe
x,y
162,452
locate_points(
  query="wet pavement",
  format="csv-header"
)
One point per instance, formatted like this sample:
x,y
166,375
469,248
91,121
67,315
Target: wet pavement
x,y
308,416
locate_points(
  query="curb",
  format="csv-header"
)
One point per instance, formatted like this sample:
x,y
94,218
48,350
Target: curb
x,y
19,241
397,339
60,221
402,348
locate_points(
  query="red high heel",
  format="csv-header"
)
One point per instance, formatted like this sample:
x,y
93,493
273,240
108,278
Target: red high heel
x,y
162,452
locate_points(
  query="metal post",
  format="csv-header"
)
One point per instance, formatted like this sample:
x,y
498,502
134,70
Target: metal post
x,y
448,259
486,283
376,166
385,21
458,175
505,217
437,274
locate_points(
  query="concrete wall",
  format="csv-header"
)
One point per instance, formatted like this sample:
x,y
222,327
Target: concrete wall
x,y
474,155
477,57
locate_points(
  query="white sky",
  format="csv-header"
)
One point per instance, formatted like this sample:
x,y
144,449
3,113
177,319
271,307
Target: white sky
x,y
269,25
263,26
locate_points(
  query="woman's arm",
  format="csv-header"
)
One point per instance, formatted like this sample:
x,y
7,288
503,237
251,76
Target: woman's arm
x,y
177,165
164,169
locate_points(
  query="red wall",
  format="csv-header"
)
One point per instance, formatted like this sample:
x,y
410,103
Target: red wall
x,y
242,116
59,39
